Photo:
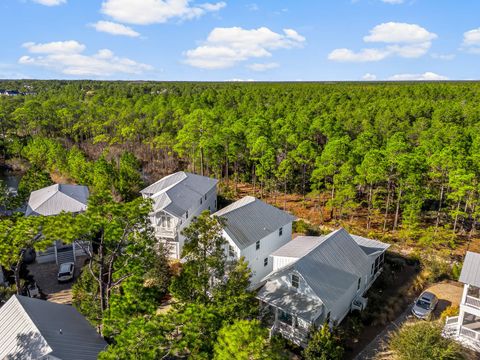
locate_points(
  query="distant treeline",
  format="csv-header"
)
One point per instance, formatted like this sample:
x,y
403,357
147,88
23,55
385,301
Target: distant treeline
x,y
408,154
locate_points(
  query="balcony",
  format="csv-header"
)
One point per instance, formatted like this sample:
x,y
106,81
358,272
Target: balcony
x,y
472,301
467,333
170,233
297,335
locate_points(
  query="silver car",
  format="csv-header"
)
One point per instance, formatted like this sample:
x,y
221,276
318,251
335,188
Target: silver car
x,y
66,271
424,305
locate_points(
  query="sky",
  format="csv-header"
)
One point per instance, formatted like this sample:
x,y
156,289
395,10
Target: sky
x,y
233,40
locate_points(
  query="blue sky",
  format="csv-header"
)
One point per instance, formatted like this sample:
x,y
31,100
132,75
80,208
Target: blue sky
x,y
269,40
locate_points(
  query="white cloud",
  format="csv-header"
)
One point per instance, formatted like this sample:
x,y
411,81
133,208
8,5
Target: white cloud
x,y
400,39
427,76
66,57
393,32
443,56
115,28
225,47
369,77
144,12
365,55
253,7
393,1
55,47
240,80
50,2
471,41
262,66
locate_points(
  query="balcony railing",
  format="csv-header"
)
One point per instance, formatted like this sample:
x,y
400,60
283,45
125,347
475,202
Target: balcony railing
x,y
451,321
472,301
164,232
296,334
469,333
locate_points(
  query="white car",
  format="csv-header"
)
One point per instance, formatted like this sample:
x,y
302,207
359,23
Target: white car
x,y
66,271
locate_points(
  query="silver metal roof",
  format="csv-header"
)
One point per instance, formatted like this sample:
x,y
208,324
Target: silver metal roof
x,y
471,269
331,265
33,328
299,247
177,192
250,219
54,199
370,246
291,301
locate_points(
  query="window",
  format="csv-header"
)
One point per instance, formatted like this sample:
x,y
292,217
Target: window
x,y
231,251
186,215
359,282
295,281
285,317
201,201
257,245
373,268
205,196
265,261
280,232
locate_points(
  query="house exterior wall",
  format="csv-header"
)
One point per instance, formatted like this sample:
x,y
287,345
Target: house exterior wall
x,y
174,238
256,258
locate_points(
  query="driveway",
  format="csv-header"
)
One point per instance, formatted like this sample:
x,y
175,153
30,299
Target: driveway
x,y
448,293
46,277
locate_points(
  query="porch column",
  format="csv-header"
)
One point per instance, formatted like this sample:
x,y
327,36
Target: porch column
x,y
465,292
74,255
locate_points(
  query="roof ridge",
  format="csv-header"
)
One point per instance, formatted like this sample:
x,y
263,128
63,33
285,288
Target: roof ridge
x,y
50,196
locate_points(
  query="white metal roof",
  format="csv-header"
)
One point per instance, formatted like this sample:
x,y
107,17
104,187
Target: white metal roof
x,y
177,192
369,246
471,269
54,199
33,328
330,265
250,219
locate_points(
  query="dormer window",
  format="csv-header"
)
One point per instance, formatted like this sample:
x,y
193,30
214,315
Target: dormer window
x,y
201,201
295,281
257,245
280,232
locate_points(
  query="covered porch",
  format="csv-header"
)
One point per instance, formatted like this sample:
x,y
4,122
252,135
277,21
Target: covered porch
x,y
289,313
465,329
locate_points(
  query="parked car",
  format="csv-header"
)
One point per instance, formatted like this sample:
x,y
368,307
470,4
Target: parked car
x,y
66,271
424,305
33,290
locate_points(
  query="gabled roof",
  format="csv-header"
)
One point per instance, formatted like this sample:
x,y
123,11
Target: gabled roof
x,y
177,192
329,264
471,269
249,220
33,328
370,246
54,199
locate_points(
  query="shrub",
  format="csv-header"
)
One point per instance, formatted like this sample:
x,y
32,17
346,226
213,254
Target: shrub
x,y
449,312
323,345
424,340
456,270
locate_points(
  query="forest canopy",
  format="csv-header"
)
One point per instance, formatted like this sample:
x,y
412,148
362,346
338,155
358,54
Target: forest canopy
x,y
406,154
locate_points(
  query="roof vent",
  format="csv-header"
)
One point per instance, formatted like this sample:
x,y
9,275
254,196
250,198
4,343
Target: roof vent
x,y
60,331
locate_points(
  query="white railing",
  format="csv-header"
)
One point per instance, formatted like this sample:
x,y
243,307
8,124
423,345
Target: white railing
x,y
297,335
451,321
472,334
170,233
472,301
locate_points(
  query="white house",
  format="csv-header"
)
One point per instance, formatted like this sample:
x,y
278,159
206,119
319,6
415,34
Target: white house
x,y
465,327
52,200
38,329
319,280
177,199
254,230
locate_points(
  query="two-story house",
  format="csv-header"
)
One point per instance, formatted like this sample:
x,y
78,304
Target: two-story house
x,y
177,199
50,201
254,229
465,327
319,280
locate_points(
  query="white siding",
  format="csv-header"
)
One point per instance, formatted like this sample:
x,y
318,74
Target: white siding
x,y
268,245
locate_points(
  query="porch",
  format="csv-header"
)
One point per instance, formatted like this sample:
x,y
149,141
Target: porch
x,y
466,330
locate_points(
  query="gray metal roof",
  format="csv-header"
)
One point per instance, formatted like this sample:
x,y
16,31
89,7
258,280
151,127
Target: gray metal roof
x,y
54,199
370,246
250,219
291,301
299,247
32,328
471,269
177,192
330,265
